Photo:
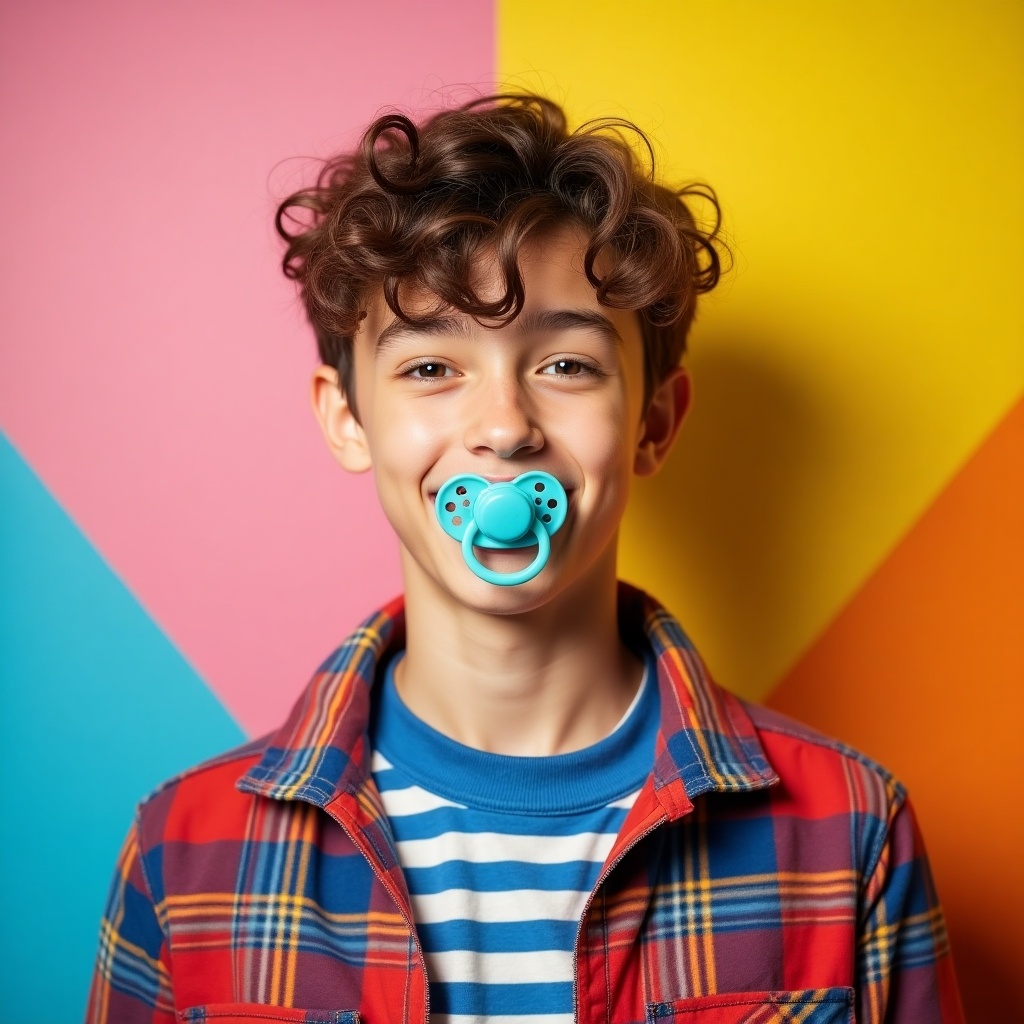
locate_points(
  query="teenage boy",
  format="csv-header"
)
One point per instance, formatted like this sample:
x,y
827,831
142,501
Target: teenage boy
x,y
516,795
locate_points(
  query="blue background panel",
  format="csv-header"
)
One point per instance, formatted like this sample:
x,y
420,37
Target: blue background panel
x,y
81,665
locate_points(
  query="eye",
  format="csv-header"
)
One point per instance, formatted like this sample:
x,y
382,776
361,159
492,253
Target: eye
x,y
570,368
429,370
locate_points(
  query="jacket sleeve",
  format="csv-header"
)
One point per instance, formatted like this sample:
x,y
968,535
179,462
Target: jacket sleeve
x,y
131,982
904,968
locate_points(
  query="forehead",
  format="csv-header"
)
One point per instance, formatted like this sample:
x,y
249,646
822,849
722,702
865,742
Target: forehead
x,y
558,296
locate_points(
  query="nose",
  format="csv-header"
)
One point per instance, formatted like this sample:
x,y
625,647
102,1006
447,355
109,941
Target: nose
x,y
501,422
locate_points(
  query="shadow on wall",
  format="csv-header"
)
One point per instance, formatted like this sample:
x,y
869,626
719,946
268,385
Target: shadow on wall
x,y
989,984
724,534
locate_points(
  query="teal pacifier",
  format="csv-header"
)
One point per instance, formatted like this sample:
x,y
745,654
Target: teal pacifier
x,y
511,514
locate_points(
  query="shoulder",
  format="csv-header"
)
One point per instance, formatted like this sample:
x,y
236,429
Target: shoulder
x,y
823,780
200,802
789,736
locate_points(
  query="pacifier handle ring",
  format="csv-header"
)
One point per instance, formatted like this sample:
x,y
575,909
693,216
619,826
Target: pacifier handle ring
x,y
507,579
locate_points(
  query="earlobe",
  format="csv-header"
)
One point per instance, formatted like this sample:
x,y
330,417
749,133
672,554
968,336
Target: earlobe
x,y
342,430
662,420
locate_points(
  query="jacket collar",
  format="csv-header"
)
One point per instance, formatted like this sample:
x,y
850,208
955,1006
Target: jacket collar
x,y
706,740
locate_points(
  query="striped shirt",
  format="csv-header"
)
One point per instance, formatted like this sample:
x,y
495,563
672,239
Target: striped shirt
x,y
501,854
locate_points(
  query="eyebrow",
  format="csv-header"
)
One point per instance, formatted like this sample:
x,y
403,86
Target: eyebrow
x,y
530,322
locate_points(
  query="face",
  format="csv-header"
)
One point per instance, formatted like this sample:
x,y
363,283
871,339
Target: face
x,y
560,389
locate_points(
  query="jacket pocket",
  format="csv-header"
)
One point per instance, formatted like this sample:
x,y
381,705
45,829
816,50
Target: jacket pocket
x,y
808,1006
240,1013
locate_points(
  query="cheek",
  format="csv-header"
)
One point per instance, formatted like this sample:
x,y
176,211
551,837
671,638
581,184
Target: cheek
x,y
404,441
602,446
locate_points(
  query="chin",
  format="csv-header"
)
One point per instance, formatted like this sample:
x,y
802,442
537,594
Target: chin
x,y
458,583
453,583
490,599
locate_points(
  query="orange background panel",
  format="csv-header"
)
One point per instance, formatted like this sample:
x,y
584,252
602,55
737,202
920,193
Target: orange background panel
x,y
923,670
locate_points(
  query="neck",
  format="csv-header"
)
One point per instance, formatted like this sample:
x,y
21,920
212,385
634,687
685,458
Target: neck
x,y
544,681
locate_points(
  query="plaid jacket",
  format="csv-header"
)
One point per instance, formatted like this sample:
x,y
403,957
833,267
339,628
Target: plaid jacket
x,y
765,874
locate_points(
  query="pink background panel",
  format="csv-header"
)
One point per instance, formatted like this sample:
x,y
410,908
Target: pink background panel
x,y
155,363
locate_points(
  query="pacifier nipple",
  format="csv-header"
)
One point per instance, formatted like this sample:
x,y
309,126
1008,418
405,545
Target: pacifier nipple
x,y
511,514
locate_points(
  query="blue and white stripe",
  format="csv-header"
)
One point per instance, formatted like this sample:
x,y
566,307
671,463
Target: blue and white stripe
x,y
501,853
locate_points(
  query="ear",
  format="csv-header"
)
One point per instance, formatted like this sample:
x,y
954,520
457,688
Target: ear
x,y
661,422
343,432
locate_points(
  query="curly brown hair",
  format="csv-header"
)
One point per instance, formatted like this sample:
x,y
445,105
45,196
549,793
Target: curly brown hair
x,y
414,205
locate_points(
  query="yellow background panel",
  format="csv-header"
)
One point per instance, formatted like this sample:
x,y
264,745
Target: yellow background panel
x,y
870,161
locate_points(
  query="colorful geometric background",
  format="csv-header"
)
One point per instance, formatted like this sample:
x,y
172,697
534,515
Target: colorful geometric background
x,y
841,528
